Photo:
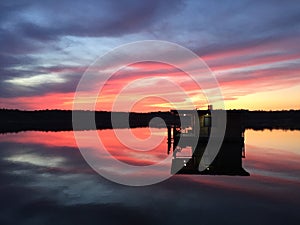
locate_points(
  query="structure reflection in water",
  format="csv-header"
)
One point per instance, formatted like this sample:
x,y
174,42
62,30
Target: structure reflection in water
x,y
188,143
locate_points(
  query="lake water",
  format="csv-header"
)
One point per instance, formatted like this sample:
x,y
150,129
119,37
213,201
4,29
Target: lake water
x,y
45,180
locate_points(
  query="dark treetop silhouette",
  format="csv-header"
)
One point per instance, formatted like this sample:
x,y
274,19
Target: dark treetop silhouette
x,y
61,120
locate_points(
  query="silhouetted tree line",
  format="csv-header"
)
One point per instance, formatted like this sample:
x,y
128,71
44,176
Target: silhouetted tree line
x,y
12,120
286,119
57,120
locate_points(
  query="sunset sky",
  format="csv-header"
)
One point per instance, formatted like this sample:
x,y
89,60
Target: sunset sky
x,y
252,47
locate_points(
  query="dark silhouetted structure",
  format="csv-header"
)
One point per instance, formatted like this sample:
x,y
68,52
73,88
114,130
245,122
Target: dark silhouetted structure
x,y
188,143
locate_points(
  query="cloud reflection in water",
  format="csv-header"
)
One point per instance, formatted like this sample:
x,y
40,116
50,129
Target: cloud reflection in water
x,y
43,183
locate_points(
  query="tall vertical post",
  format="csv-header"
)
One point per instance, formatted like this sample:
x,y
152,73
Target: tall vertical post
x,y
169,139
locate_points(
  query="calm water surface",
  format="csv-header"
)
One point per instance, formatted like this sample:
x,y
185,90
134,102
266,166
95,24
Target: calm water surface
x,y
45,180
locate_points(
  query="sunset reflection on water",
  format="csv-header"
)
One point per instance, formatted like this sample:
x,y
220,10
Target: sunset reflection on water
x,y
42,168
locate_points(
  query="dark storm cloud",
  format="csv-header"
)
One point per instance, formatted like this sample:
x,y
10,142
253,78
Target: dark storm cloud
x,y
233,23
48,20
30,28
8,61
244,24
24,22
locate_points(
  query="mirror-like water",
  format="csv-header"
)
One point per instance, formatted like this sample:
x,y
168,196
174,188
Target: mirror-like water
x,y
45,180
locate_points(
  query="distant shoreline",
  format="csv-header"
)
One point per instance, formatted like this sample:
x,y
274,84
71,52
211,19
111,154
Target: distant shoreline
x,y
61,120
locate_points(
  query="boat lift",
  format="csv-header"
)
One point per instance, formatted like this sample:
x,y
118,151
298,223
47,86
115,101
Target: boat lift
x,y
187,140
